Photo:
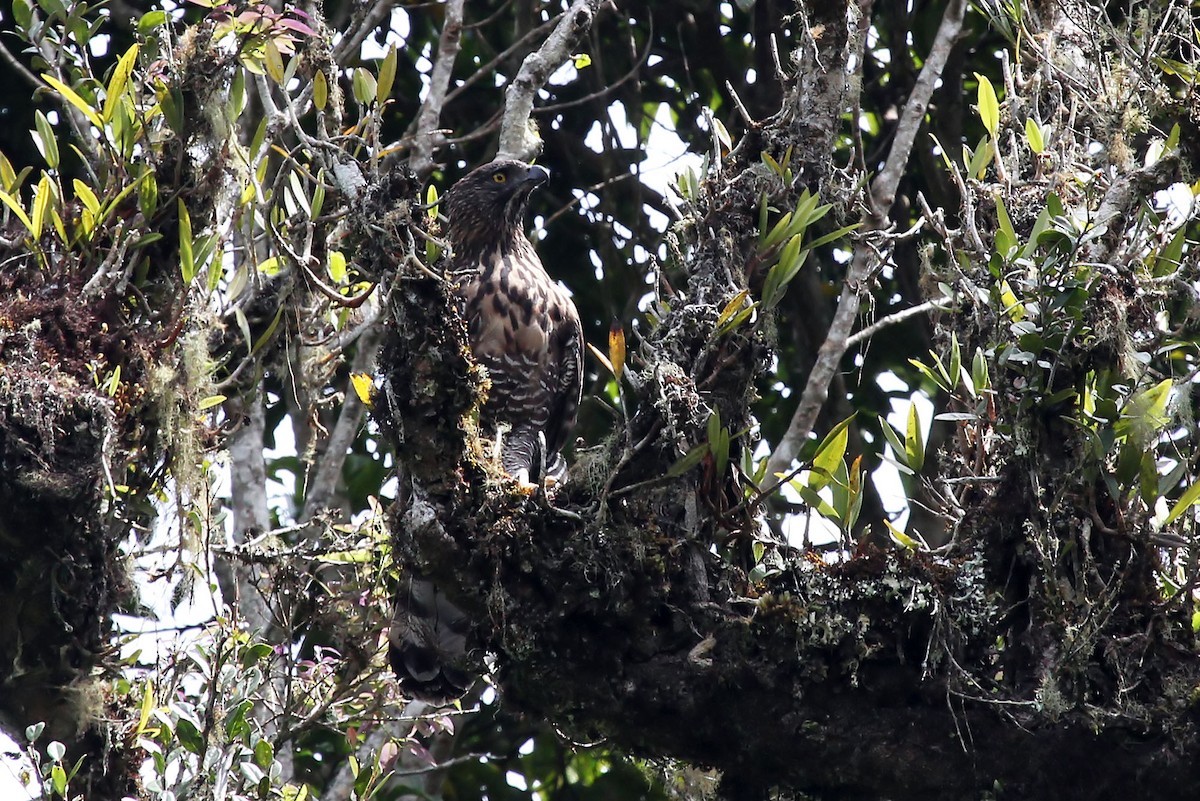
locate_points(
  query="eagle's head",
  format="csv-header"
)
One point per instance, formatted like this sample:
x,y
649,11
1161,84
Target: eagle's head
x,y
486,208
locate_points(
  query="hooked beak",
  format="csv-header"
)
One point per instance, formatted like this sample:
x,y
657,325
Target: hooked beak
x,y
536,175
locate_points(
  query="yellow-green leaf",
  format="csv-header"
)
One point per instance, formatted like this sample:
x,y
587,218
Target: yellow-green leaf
x,y
914,440
41,203
12,203
1012,306
86,196
581,61
187,260
731,308
1033,133
1186,501
431,200
8,176
118,82
320,91
147,705
829,454
337,266
387,76
989,106
211,401
900,538
74,99
273,61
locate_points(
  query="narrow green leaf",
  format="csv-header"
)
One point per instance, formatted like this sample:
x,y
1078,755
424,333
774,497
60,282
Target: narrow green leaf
x,y
46,140
74,99
914,440
320,91
982,156
86,196
893,439
387,76
829,454
1186,501
688,461
833,236
1006,235
1033,135
41,203
8,176
17,209
900,538
989,106
273,61
955,369
119,81
775,236
187,261
318,198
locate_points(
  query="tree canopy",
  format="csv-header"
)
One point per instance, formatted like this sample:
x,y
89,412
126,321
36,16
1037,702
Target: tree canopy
x,y
885,479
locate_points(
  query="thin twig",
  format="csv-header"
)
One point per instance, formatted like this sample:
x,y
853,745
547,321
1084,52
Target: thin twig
x,y
893,319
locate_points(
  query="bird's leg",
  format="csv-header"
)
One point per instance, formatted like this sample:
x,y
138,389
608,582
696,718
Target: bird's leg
x,y
547,482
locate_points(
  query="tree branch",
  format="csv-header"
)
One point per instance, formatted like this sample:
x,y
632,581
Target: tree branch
x,y
516,140
883,195
426,139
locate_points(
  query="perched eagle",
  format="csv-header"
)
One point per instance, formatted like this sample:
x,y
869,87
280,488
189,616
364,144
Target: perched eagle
x,y
523,327
525,330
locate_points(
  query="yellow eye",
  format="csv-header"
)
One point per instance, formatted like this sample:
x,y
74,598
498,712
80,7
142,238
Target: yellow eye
x,y
499,177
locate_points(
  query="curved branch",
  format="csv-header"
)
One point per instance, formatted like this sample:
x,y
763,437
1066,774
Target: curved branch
x,y
516,140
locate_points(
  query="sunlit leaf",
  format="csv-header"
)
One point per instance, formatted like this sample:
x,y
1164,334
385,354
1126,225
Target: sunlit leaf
x,y
363,384
74,99
914,440
119,81
320,91
829,454
1186,501
1033,135
187,261
47,141
900,538
616,349
387,76
989,106
17,209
